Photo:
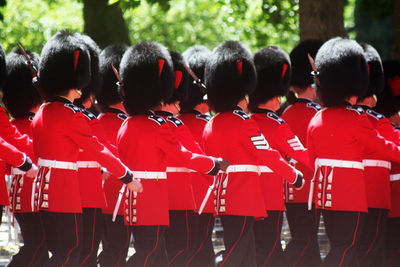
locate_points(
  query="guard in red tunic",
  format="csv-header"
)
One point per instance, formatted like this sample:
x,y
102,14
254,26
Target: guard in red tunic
x,y
230,75
194,114
388,104
116,237
146,143
303,249
273,77
60,130
180,237
336,139
22,100
371,250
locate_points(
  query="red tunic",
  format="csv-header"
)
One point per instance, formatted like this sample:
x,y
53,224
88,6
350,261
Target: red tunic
x,y
237,138
280,137
395,189
60,130
377,178
298,117
145,144
336,140
21,186
111,122
196,122
10,134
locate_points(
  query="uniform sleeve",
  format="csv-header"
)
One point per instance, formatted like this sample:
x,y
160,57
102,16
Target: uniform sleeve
x,y
386,130
370,138
11,134
187,140
255,142
170,145
98,130
11,154
290,145
81,133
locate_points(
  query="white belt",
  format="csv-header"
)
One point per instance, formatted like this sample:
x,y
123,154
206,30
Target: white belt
x,y
179,169
395,177
16,171
57,164
377,163
339,163
88,164
248,168
149,175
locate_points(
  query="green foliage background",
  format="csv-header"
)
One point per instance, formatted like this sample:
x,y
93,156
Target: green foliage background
x,y
178,24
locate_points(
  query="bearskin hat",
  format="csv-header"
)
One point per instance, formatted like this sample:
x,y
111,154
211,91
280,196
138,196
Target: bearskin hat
x,y
2,66
19,93
107,94
230,75
181,78
65,64
273,75
375,71
147,75
196,57
301,68
388,102
95,80
342,71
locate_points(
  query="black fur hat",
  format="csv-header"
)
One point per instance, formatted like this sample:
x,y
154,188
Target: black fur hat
x,y
273,75
388,102
230,75
375,71
2,66
181,78
301,68
19,93
95,80
196,57
342,71
147,75
107,94
65,64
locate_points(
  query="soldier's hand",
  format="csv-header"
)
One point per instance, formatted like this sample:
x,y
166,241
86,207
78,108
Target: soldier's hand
x,y
299,182
32,172
135,186
223,164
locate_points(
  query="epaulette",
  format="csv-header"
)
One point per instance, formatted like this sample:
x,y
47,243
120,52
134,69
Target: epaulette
x,y
122,116
204,117
177,122
88,114
375,114
74,108
357,109
241,114
275,117
157,119
314,105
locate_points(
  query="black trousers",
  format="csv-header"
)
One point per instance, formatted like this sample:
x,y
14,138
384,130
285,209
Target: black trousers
x,y
180,237
34,251
392,242
92,231
371,249
64,237
116,238
239,241
1,213
343,229
303,249
204,255
267,234
149,246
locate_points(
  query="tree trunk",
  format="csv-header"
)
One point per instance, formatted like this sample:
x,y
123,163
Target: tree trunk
x,y
396,16
104,23
321,19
